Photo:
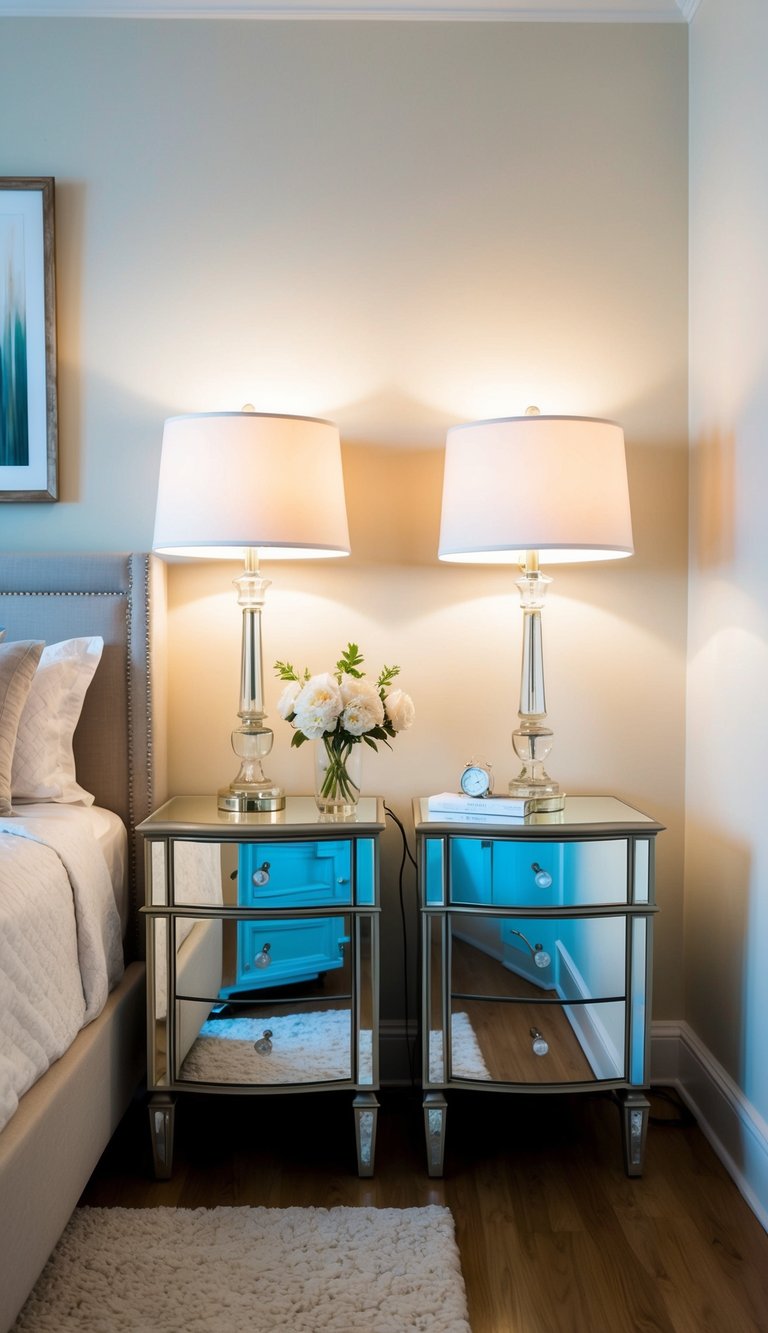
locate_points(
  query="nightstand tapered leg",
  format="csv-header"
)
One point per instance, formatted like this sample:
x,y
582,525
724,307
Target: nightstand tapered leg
x,y
366,1109
634,1108
162,1108
435,1114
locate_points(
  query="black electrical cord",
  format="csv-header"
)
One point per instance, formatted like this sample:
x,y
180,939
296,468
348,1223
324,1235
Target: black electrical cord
x,y
683,1116
406,855
406,849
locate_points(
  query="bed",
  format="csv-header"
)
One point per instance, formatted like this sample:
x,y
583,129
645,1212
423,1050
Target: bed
x,y
61,1125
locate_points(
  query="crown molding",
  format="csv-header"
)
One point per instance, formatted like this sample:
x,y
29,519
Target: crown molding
x,y
521,11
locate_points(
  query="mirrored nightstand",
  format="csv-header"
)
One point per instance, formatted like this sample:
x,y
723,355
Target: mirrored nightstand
x,y
262,936
536,958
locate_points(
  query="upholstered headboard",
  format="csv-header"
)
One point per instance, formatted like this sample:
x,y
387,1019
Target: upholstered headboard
x,y
120,739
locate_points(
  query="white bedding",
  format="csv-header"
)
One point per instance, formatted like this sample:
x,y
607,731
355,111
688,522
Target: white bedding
x,y
112,836
107,828
60,941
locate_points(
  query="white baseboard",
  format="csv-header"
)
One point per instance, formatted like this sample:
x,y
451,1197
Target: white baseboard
x,y
735,1130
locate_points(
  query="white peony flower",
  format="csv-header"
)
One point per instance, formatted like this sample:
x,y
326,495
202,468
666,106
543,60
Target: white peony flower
x,y
400,710
348,686
317,706
357,687
286,704
346,704
320,691
358,693
360,715
314,722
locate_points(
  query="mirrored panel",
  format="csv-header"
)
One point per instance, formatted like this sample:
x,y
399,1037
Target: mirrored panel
x,y
294,874
199,873
257,874
471,860
516,1042
435,934
157,879
365,862
157,965
434,871
642,870
595,872
554,874
638,1026
234,958
264,1045
367,954
565,958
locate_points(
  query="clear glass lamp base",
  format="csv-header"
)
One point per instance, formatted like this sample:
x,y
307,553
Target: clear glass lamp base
x,y
532,743
251,792
247,800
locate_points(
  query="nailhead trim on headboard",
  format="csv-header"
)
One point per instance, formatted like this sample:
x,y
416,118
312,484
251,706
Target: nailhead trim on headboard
x,y
137,575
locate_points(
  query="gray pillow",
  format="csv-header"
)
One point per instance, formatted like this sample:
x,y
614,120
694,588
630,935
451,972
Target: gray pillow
x,y
18,663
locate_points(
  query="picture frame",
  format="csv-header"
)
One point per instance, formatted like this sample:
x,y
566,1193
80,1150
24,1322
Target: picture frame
x,y
28,399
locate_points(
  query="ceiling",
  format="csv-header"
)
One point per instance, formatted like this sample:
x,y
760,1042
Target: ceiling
x,y
553,11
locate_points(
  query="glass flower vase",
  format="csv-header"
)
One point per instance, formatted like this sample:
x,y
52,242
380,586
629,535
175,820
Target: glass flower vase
x,y
338,769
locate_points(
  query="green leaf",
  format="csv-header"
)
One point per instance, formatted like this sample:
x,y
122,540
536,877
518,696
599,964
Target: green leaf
x,y
285,671
350,661
386,676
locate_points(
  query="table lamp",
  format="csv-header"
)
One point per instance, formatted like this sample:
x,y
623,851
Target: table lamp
x,y
520,488
250,485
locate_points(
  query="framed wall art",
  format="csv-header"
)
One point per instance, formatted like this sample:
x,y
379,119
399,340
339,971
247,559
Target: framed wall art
x,y
28,407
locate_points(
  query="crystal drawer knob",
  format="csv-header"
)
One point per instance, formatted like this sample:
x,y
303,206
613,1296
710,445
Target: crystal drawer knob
x,y
539,1044
261,876
541,878
263,958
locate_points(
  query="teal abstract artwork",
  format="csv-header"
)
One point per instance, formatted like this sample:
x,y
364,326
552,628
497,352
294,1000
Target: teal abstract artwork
x,y
14,410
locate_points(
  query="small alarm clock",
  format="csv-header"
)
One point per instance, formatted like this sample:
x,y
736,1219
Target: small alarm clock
x,y
476,779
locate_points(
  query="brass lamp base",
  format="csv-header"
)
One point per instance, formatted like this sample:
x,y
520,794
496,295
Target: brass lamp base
x,y
246,802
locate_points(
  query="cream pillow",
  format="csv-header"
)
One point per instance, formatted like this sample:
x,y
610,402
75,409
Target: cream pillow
x,y
18,662
44,762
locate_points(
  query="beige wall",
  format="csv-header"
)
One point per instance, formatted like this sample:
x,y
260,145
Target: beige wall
x,y
726,915
398,226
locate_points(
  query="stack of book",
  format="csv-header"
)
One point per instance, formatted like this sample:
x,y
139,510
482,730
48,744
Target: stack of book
x,y
466,808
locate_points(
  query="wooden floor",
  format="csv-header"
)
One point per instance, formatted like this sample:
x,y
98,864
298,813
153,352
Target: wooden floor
x,y
553,1236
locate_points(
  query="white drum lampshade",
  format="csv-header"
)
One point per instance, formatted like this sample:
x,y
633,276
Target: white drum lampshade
x,y
251,486
520,489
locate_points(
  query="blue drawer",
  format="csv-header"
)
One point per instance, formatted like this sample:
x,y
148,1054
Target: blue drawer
x,y
505,872
294,874
272,953
299,950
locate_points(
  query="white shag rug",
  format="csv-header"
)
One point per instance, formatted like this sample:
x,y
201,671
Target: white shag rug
x,y
306,1048
311,1048
466,1057
252,1270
